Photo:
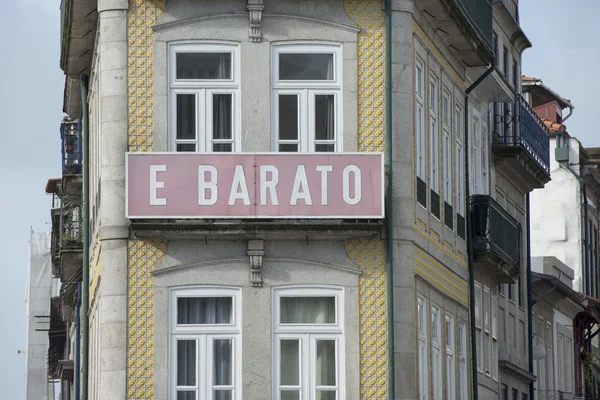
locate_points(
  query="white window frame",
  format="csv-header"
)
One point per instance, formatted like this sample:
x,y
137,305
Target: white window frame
x,y
487,337
447,144
203,334
203,89
306,91
462,360
433,92
437,379
450,358
460,159
423,347
308,334
475,157
479,326
420,140
494,354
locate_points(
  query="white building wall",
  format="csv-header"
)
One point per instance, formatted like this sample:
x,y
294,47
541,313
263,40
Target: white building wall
x,y
39,291
556,215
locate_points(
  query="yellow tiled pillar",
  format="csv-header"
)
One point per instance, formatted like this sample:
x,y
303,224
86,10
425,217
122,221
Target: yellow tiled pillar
x,y
142,256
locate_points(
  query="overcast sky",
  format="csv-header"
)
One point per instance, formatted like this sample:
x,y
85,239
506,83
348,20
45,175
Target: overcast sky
x,y
564,54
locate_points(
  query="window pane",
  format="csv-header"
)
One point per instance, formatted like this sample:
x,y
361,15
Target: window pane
x,y
290,362
223,395
203,65
288,117
222,361
324,147
222,147
183,147
307,310
186,395
222,120
325,362
325,117
186,363
326,395
306,67
288,147
204,310
290,395
186,116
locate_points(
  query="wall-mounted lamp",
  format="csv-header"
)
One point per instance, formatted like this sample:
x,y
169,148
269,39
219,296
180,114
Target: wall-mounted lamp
x,y
539,352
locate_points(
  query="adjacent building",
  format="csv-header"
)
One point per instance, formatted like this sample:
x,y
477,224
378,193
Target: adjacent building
x,y
39,290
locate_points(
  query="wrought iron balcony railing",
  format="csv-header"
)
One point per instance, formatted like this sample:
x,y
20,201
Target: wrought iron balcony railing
x,y
526,129
494,230
479,15
71,223
70,133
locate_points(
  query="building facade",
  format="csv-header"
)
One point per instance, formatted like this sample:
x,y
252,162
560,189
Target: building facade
x,y
274,272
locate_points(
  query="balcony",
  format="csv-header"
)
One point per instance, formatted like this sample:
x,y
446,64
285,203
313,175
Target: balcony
x,y
57,339
495,240
522,144
70,134
465,26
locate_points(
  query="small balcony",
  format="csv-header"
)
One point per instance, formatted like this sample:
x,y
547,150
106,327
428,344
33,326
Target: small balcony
x,y
522,144
57,339
465,26
496,237
70,134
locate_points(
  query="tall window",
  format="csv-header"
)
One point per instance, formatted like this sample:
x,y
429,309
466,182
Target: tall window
x,y
423,354
478,326
494,355
505,63
420,132
307,98
447,157
462,361
309,344
450,359
436,353
460,170
434,145
205,344
204,98
487,336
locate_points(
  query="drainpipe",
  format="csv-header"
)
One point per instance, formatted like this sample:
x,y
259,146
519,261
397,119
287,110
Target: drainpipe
x,y
470,260
85,286
529,296
77,341
389,225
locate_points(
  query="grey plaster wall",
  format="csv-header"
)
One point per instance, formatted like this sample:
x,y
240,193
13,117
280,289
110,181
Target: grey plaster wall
x,y
196,263
113,231
185,20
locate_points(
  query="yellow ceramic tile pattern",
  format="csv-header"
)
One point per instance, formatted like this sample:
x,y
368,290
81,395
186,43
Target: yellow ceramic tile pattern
x,y
370,255
371,72
140,318
142,255
140,18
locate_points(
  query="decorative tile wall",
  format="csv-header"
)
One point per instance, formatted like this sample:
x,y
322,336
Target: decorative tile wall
x,y
142,256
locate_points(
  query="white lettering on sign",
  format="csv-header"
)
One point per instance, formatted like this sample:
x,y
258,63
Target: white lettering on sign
x,y
155,185
239,189
268,184
205,185
357,185
301,189
324,169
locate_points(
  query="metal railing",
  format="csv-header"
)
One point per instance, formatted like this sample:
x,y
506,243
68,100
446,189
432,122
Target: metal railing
x,y
71,222
494,230
70,133
479,15
526,129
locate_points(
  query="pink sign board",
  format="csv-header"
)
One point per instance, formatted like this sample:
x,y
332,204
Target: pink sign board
x,y
257,185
